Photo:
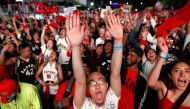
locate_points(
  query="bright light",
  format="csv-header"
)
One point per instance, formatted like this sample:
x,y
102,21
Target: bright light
x,y
110,2
99,8
88,8
127,3
136,9
141,3
92,3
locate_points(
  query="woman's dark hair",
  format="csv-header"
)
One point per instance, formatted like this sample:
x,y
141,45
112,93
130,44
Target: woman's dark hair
x,y
149,48
166,71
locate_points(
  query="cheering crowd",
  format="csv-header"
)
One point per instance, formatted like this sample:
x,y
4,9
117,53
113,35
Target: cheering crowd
x,y
133,60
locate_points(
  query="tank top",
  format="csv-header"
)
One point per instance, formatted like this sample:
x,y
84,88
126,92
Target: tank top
x,y
50,74
26,70
166,103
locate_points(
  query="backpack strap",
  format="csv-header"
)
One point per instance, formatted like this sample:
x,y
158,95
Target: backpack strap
x,y
181,98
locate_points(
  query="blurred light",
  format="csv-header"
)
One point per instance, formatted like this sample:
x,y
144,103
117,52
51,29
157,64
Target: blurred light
x,y
136,9
110,2
141,3
127,3
92,4
88,8
99,8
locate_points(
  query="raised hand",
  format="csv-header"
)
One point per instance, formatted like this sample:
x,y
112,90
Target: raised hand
x,y
114,26
75,32
162,45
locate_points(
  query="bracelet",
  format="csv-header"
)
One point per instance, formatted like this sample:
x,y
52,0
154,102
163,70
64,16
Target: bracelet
x,y
164,55
117,47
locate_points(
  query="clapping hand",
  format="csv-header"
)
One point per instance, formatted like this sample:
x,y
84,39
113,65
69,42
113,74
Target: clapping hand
x,y
75,32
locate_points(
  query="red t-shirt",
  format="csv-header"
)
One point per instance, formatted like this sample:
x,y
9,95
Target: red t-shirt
x,y
128,89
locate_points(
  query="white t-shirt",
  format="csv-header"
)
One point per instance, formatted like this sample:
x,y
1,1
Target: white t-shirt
x,y
147,67
63,47
46,52
50,73
111,102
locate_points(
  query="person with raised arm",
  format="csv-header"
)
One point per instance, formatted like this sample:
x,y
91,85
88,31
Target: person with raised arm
x,y
174,95
101,95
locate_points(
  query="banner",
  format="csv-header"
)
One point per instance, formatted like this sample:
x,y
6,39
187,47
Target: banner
x,y
126,8
41,8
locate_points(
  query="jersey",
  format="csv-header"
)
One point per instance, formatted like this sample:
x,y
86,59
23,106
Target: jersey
x,y
50,74
26,69
63,49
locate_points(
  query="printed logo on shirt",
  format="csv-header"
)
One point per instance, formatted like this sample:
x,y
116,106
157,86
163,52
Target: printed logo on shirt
x,y
28,70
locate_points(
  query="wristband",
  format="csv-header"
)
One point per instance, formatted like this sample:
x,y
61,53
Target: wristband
x,y
164,55
59,104
117,47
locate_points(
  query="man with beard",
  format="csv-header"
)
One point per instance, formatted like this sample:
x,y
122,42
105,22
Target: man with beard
x,y
132,81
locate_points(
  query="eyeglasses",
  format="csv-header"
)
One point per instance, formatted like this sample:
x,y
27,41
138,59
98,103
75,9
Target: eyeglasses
x,y
11,97
94,83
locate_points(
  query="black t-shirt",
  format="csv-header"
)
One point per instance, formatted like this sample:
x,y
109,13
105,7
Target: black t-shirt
x,y
104,63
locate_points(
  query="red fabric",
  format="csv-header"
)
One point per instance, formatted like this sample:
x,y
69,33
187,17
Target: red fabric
x,y
5,72
180,18
25,26
144,42
47,92
7,87
61,19
61,91
53,25
77,12
165,103
128,89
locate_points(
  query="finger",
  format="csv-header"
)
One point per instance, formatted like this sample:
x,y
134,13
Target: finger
x,y
78,20
70,21
74,20
114,19
118,21
67,25
109,29
109,20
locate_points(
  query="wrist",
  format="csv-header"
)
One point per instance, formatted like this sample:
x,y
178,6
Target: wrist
x,y
117,41
163,55
3,52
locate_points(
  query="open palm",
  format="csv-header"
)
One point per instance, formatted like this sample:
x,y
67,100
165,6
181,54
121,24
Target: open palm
x,y
114,26
75,32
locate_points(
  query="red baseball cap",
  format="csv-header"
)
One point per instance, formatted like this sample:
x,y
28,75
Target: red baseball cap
x,y
7,87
